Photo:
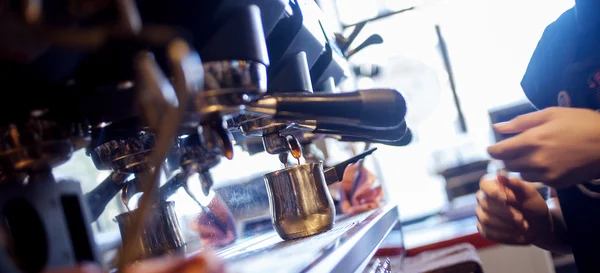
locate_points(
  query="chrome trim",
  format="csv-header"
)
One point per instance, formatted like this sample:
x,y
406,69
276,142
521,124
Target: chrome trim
x,y
161,235
230,84
299,201
127,155
355,239
265,106
235,74
275,143
255,127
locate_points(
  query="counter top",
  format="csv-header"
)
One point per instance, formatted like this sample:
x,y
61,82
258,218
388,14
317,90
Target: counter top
x,y
346,248
430,236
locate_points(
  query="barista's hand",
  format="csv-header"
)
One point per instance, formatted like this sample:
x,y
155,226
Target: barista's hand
x,y
204,262
210,234
366,197
556,146
83,268
515,214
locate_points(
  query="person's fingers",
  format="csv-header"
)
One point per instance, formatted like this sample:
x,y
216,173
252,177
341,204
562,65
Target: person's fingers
x,y
522,163
351,170
515,186
368,195
205,262
550,179
513,147
498,209
521,189
343,194
166,264
219,208
499,236
365,183
367,177
82,268
358,207
348,177
207,231
523,122
534,176
492,190
231,235
362,208
91,268
489,220
219,242
346,206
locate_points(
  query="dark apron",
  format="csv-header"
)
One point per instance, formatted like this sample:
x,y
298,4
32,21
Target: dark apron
x,y
582,216
565,71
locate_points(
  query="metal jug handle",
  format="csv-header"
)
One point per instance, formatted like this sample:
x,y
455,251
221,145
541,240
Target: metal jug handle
x,y
335,174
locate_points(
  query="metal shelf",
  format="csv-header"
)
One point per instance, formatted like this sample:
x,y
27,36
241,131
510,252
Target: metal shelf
x,y
346,248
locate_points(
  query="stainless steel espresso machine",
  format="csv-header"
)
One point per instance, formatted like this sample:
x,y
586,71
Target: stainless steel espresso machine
x,y
166,87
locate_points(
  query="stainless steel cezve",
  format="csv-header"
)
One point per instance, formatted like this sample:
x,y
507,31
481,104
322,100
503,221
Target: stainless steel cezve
x,y
299,199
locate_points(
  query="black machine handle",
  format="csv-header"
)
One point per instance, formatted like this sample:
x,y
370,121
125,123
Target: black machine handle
x,y
98,198
335,174
383,136
344,44
374,39
404,141
375,108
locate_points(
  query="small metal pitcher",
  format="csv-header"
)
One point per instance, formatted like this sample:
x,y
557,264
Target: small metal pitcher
x,y
299,199
161,235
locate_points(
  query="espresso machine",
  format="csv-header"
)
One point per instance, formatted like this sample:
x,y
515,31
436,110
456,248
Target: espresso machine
x,y
151,87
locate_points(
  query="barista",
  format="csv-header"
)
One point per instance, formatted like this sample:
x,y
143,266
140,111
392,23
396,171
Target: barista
x,y
367,196
557,146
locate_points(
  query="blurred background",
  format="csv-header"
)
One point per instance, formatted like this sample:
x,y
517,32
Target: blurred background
x,y
457,63
432,180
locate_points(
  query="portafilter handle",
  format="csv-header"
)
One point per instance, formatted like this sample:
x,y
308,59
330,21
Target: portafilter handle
x,y
354,133
98,198
171,186
373,109
404,141
335,174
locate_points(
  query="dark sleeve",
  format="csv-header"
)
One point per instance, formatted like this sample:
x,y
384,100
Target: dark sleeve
x,y
543,78
586,12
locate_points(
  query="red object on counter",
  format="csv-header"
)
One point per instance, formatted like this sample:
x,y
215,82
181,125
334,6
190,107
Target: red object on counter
x,y
390,251
419,239
474,239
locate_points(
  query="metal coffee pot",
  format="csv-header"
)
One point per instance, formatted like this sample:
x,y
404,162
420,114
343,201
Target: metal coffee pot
x,y
299,199
161,235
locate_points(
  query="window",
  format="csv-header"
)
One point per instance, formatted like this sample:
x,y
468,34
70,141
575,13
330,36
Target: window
x,y
489,43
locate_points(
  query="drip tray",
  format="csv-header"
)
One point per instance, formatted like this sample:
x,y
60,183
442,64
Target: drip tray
x,y
352,241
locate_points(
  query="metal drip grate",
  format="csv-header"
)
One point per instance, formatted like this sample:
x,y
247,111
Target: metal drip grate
x,y
272,254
